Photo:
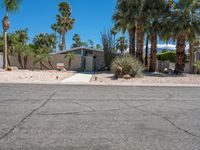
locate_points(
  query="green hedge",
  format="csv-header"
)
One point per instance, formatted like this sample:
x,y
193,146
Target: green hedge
x,y
167,55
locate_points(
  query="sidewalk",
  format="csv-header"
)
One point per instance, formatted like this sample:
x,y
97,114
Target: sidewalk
x,y
78,78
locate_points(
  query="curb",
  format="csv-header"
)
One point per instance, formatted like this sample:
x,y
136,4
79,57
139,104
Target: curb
x,y
106,84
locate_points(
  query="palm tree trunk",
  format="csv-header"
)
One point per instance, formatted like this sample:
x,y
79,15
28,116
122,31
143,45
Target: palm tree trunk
x,y
147,50
49,61
5,45
40,65
63,45
20,60
43,65
132,41
25,61
191,57
180,54
5,51
153,52
9,64
70,62
140,40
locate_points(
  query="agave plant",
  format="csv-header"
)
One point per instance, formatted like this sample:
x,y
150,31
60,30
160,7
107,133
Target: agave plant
x,y
128,65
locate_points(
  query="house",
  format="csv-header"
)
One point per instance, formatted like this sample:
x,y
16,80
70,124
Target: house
x,y
87,59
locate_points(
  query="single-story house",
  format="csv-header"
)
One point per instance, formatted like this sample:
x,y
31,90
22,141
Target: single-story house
x,y
87,59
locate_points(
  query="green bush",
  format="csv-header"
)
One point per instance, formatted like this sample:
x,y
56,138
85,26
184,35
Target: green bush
x,y
167,55
197,66
128,64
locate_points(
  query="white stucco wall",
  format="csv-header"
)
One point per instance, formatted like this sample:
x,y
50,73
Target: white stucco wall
x,y
1,61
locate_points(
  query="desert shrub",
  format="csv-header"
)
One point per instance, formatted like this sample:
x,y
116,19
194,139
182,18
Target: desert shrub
x,y
128,64
167,55
197,66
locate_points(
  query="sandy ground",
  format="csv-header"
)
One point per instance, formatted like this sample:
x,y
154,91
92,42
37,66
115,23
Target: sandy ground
x,y
153,78
33,75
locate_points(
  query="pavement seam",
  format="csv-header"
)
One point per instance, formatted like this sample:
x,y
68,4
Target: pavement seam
x,y
26,117
164,118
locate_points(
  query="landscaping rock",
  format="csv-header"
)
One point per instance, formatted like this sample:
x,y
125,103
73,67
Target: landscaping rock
x,y
118,73
127,77
12,68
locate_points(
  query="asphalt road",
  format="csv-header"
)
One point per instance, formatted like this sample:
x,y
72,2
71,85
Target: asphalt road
x,y
63,117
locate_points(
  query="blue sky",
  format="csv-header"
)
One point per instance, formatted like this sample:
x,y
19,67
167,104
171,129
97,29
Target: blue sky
x,y
92,16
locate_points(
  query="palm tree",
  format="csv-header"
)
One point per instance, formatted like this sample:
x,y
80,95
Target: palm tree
x,y
183,22
125,19
90,43
77,41
114,32
154,14
193,47
10,6
43,46
64,22
1,43
70,56
98,46
122,44
147,50
21,37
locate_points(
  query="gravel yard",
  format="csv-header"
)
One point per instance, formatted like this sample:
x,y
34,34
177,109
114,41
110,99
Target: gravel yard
x,y
33,75
156,78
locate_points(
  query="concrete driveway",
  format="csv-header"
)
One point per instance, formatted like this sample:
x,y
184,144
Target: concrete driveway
x,y
64,117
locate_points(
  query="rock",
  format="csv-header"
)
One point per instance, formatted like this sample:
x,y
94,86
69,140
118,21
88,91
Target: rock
x,y
9,68
12,68
63,69
127,77
118,73
95,78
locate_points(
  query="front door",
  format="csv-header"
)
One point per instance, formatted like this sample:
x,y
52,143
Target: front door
x,y
89,63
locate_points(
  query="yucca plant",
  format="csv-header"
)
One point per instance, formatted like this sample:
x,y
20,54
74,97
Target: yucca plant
x,y
128,64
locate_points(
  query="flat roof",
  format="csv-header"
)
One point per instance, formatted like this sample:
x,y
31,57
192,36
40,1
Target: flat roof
x,y
79,48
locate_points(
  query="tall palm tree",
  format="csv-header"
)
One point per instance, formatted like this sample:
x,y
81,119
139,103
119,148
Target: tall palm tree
x,y
154,14
114,32
10,6
64,22
122,44
183,22
76,40
125,20
147,50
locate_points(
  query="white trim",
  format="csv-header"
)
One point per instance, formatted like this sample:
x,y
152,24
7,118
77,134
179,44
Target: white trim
x,y
78,48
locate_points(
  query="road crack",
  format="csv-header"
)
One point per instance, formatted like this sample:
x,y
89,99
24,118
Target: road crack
x,y
27,116
86,106
162,117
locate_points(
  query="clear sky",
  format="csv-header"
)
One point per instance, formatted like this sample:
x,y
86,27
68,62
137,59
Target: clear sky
x,y
92,16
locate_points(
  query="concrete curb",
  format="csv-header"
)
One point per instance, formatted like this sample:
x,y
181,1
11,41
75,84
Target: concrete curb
x,y
105,84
